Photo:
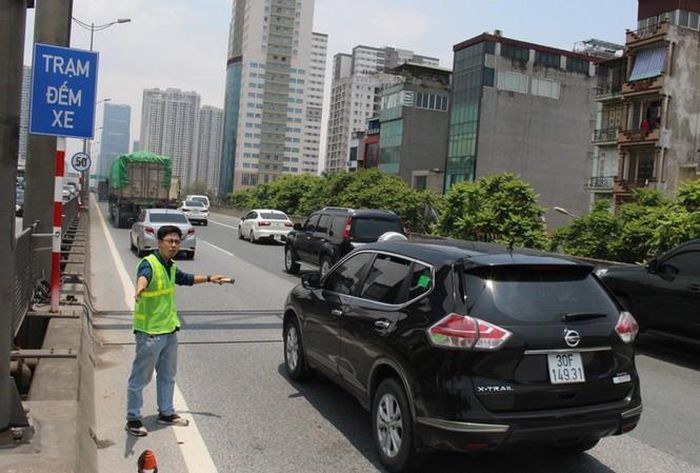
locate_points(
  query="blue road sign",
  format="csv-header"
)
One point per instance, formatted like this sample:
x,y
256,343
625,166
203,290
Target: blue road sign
x,y
80,161
64,86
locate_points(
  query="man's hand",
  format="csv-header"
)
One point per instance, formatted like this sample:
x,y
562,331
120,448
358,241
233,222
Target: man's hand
x,y
141,284
220,279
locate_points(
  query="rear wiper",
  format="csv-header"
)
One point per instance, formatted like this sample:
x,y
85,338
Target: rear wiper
x,y
574,316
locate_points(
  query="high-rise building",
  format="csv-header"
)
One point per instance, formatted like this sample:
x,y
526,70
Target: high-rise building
x,y
527,109
211,128
357,80
274,91
169,127
114,141
24,116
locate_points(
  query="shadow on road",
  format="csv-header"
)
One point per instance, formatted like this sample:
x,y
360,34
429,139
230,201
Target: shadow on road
x,y
343,411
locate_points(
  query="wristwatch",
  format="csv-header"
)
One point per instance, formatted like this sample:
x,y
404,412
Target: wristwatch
x,y
208,277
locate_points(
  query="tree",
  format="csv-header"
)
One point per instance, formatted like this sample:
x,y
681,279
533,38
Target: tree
x,y
592,235
501,209
196,188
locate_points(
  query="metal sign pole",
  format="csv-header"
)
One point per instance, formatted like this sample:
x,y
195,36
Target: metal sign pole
x,y
57,223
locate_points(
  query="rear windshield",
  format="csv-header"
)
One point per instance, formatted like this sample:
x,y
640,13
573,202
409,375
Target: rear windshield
x,y
273,216
194,203
366,229
168,218
513,295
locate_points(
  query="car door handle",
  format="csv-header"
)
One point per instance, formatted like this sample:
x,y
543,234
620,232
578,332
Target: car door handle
x,y
381,324
694,287
337,312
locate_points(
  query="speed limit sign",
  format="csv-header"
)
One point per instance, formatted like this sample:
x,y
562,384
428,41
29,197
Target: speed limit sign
x,y
81,162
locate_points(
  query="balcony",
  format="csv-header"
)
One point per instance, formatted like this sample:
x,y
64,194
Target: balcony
x,y
626,186
647,35
639,136
600,183
608,91
605,135
644,86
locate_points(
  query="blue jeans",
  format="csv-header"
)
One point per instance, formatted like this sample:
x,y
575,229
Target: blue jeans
x,y
157,352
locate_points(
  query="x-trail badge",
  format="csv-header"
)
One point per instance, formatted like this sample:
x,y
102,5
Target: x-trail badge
x,y
572,338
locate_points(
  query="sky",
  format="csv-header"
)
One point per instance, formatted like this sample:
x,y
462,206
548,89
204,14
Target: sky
x,y
182,43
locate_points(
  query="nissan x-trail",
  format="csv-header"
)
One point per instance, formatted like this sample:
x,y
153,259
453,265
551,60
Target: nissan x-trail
x,y
468,347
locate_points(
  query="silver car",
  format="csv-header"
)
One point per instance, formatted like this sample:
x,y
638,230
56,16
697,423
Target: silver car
x,y
143,236
195,211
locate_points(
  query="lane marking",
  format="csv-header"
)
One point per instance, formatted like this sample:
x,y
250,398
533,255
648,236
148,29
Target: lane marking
x,y
192,447
217,247
224,225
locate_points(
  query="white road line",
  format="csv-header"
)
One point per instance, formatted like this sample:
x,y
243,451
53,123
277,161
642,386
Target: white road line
x,y
217,247
194,450
224,224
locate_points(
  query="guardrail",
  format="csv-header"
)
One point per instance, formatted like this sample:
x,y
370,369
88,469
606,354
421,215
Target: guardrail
x,y
24,277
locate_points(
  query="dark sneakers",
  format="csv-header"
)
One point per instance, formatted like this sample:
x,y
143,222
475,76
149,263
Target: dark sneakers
x,y
173,419
136,428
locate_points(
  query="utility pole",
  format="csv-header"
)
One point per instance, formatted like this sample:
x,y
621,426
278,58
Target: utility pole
x,y
12,19
52,25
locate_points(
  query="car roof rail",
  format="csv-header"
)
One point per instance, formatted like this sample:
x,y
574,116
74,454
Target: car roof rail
x,y
346,209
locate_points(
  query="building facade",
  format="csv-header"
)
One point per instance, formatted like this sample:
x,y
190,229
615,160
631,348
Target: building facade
x,y
527,109
413,121
170,127
357,80
114,141
658,141
211,128
274,93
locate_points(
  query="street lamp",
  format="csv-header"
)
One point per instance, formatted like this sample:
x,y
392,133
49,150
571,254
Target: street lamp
x,y
562,210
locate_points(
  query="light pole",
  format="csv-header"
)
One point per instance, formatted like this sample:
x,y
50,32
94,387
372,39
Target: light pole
x,y
92,27
562,210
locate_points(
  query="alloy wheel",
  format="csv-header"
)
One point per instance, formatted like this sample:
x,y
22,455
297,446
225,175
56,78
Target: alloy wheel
x,y
389,425
292,347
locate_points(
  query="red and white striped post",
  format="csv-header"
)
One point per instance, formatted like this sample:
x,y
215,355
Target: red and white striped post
x,y
57,223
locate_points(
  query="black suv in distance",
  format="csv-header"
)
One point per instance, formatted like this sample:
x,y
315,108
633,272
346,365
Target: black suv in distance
x,y
331,233
467,346
664,295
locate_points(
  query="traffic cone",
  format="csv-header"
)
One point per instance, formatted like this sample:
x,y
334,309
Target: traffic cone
x,y
147,462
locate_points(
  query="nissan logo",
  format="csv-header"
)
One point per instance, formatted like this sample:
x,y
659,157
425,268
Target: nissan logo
x,y
572,338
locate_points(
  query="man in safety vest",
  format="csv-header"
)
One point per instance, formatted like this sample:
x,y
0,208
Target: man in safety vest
x,y
156,324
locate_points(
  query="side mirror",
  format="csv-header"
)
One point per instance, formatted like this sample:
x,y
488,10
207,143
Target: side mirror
x,y
297,226
311,280
652,266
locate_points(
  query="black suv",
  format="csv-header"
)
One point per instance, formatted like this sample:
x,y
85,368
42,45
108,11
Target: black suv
x,y
664,295
469,347
331,233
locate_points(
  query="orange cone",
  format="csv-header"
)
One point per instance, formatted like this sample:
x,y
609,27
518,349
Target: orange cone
x,y
147,462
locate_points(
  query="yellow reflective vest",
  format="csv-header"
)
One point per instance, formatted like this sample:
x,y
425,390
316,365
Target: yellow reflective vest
x,y
155,312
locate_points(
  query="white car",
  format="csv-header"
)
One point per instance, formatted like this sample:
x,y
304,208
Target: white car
x,y
264,223
201,198
195,211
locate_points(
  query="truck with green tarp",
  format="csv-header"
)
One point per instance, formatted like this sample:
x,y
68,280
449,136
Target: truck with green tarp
x,y
139,180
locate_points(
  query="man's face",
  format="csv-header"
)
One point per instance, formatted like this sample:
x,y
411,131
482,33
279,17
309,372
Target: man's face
x,y
169,245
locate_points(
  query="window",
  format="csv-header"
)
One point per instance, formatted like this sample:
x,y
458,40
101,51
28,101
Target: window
x,y
346,277
311,223
547,59
386,280
421,281
513,81
515,52
576,65
323,223
489,76
545,88
420,182
683,264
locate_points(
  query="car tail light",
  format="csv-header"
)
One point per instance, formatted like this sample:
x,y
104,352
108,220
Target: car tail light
x,y
149,230
627,327
348,227
264,223
288,224
467,333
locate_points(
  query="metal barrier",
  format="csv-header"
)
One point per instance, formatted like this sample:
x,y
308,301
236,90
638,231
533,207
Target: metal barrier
x,y
24,279
70,209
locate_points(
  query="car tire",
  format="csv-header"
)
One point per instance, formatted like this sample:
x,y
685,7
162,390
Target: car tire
x,y
190,255
325,265
577,447
205,223
290,263
240,233
251,237
392,427
294,355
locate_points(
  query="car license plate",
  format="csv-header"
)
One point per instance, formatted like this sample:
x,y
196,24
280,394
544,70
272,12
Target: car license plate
x,y
565,368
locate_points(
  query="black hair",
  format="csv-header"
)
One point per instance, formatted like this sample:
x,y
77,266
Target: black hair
x,y
167,230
